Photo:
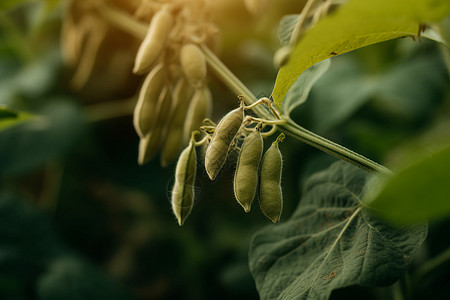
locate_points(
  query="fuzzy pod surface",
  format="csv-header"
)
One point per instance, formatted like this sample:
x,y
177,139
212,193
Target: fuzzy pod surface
x,y
270,193
183,191
154,42
181,99
193,63
152,141
246,176
149,94
200,108
224,134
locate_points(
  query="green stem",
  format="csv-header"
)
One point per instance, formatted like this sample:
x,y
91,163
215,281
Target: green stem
x,y
289,126
430,266
128,24
332,148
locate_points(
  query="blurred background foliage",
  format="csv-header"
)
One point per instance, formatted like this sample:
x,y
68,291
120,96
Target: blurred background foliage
x,y
79,219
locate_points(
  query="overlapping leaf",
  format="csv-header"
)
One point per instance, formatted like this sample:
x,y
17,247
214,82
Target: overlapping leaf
x,y
356,24
330,242
418,192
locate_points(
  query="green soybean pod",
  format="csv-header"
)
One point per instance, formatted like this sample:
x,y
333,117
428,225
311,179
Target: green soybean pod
x,y
174,142
270,194
155,137
246,176
183,192
224,134
154,42
145,111
200,107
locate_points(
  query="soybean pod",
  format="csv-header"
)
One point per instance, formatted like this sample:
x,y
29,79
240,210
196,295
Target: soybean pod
x,y
270,194
246,176
224,134
183,192
155,41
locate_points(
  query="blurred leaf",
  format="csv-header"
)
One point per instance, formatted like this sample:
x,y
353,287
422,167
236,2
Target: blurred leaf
x,y
7,4
25,235
406,88
416,193
410,87
339,93
10,117
354,25
32,253
27,242
299,91
287,25
330,242
31,81
29,144
70,278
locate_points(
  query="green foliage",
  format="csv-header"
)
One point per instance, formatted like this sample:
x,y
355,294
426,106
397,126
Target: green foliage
x,y
302,86
405,88
418,192
32,252
30,144
356,24
330,242
10,117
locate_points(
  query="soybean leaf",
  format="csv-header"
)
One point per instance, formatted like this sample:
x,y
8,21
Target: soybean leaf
x,y
330,242
356,24
10,117
299,91
419,191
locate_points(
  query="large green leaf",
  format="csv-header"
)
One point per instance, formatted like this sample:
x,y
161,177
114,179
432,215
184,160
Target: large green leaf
x,y
356,24
418,192
330,242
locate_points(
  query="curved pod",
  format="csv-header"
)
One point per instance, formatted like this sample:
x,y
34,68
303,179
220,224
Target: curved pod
x,y
193,63
224,134
183,191
154,42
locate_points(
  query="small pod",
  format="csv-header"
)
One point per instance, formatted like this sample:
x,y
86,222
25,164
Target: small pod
x,y
182,95
270,194
154,42
199,109
246,176
145,111
151,142
224,134
193,63
183,192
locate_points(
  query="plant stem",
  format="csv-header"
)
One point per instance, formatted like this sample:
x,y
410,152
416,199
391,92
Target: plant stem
x,y
137,29
332,148
289,126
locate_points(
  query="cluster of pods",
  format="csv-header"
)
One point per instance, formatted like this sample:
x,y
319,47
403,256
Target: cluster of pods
x,y
251,171
174,97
